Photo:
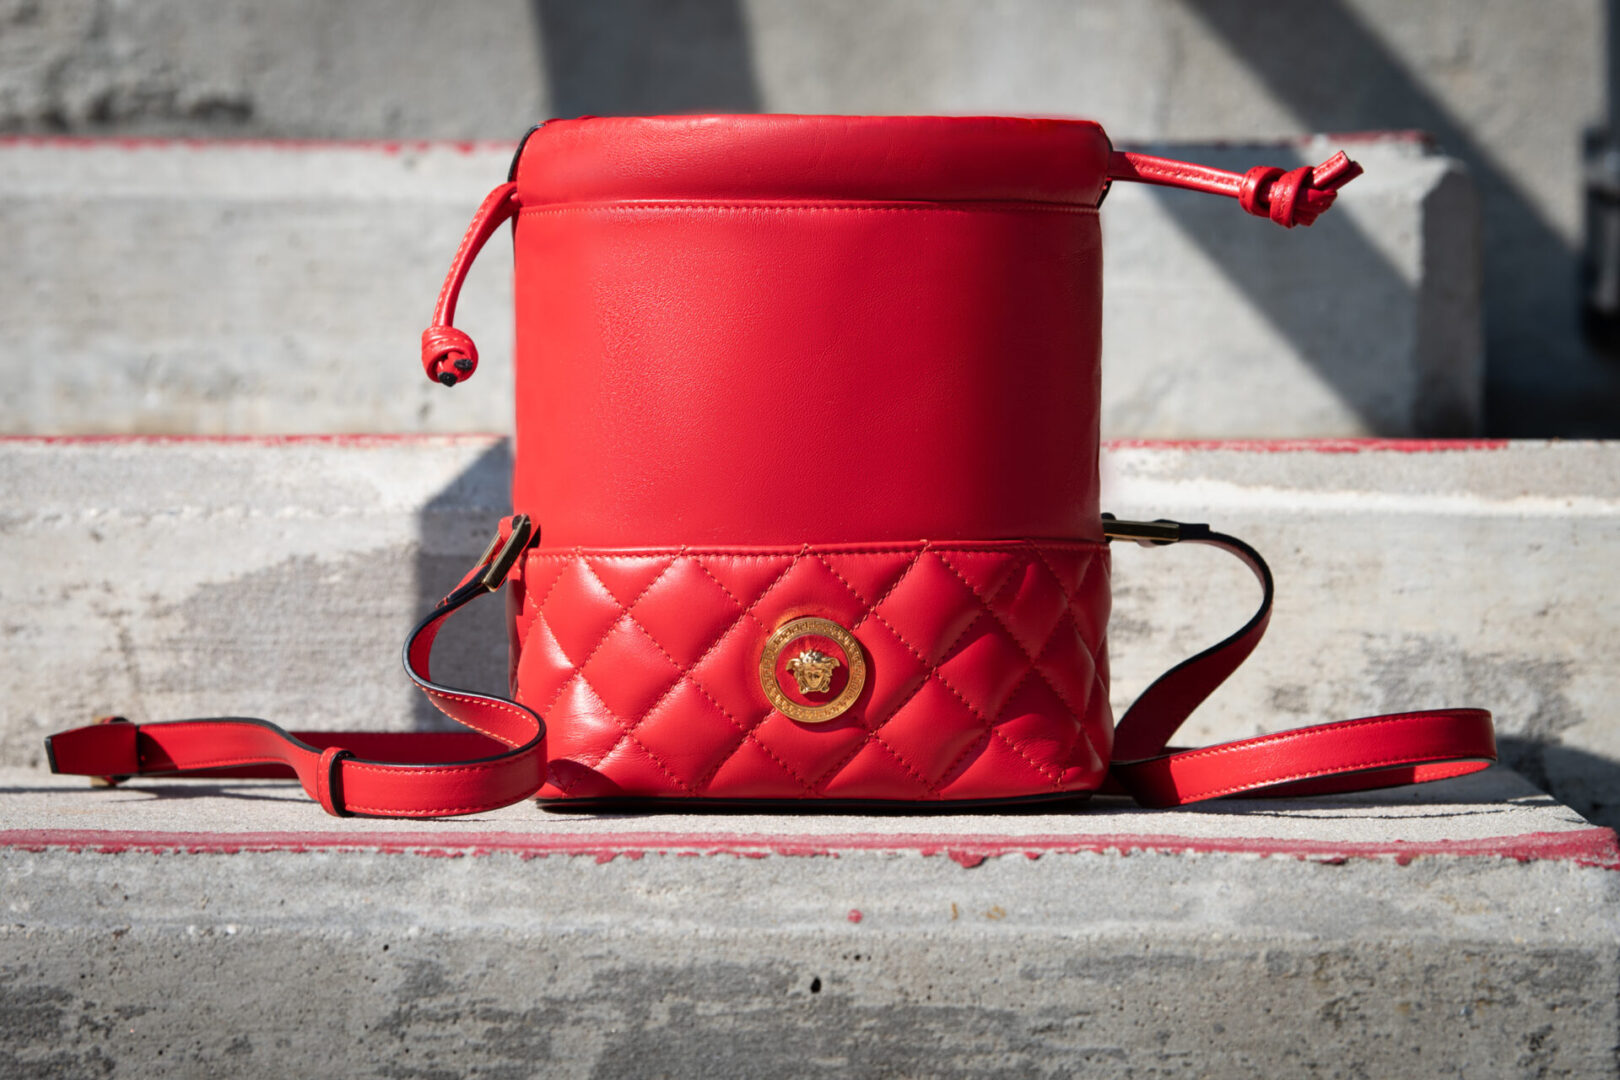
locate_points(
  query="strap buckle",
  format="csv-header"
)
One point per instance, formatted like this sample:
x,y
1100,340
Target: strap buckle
x,y
1147,533
500,556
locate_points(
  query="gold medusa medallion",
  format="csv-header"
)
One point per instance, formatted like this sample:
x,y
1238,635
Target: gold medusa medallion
x,y
812,670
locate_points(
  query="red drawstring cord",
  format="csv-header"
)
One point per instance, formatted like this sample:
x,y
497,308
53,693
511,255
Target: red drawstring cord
x,y
1295,197
449,355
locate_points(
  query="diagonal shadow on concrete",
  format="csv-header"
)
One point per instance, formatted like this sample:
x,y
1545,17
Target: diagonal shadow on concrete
x,y
632,57
452,529
1334,74
1273,270
645,57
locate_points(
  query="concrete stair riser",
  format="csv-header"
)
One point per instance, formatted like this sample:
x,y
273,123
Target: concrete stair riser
x,y
276,578
269,288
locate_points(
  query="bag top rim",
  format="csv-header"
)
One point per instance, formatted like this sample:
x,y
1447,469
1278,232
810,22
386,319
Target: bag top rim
x,y
769,156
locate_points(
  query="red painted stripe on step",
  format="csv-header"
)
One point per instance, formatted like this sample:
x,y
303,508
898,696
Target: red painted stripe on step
x,y
1595,847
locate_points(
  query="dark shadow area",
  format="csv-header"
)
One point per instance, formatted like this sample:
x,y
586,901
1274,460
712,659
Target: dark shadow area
x,y
1587,783
1334,74
453,528
255,791
646,57
1274,270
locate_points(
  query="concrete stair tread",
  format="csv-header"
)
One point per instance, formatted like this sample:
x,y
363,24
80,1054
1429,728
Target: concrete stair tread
x,y
1493,813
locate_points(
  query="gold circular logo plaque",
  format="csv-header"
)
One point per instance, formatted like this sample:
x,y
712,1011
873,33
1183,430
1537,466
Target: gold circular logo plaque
x,y
812,670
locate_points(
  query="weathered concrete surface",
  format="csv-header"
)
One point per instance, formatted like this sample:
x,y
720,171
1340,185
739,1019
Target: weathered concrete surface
x,y
1367,324
253,287
689,946
276,578
1408,576
186,288
267,578
1506,87
1495,812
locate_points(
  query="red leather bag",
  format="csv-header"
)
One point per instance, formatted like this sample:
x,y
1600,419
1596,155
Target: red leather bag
x,y
806,507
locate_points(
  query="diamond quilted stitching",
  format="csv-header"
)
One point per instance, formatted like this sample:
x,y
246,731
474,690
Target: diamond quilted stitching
x,y
687,611
627,577
688,733
984,572
893,672
1028,606
635,768
953,715
874,773
870,574
929,608
746,577
809,588
932,731
814,749
1026,724
579,726
990,770
985,667
536,582
580,612
1083,576
1067,666
543,667
752,773
628,671
1069,566
540,575
729,672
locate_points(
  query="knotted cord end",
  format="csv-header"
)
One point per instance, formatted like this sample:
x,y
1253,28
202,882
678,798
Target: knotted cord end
x,y
1297,196
448,355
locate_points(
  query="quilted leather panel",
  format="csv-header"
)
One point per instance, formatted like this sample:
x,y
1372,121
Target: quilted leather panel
x,y
987,673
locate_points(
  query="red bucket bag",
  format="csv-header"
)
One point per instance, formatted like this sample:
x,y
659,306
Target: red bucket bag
x,y
806,494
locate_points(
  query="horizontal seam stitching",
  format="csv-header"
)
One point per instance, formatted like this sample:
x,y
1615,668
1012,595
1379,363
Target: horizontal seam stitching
x,y
778,208
1298,733
1316,774
993,547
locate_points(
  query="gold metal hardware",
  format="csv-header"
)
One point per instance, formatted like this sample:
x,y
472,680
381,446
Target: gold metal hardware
x,y
1142,532
504,554
812,669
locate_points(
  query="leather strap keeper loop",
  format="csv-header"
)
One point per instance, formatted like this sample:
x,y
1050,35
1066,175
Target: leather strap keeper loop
x,y
329,781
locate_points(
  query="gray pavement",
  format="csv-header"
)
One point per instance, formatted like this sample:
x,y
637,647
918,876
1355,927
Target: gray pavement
x,y
1468,928
1493,812
1464,929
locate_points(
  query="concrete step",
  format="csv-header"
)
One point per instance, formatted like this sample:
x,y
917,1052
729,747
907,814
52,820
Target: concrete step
x,y
1510,89
271,287
1468,928
163,578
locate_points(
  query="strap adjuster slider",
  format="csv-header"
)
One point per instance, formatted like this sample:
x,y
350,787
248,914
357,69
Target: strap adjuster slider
x,y
501,556
1147,533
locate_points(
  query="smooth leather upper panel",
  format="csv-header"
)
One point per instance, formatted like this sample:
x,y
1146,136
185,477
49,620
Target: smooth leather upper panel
x,y
928,158
792,373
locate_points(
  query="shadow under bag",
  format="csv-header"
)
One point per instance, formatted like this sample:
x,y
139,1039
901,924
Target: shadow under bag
x,y
806,494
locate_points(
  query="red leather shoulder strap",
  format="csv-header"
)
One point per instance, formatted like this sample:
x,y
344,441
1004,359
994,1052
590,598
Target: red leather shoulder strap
x,y
1350,755
386,774
502,759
